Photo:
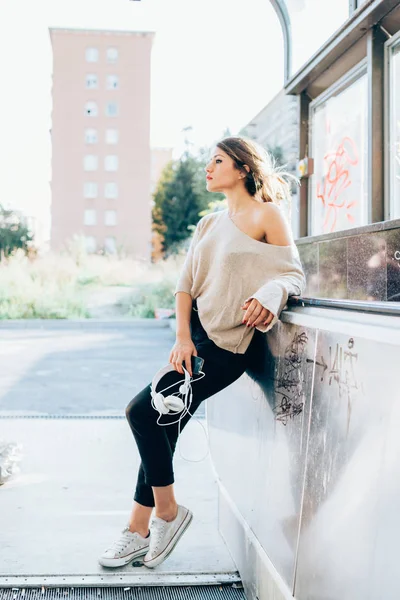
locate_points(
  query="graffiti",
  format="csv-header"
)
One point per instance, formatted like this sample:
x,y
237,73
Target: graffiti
x,y
341,371
336,181
321,364
290,386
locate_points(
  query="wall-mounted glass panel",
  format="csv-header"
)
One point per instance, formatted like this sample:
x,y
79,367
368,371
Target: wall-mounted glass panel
x,y
339,146
312,23
394,130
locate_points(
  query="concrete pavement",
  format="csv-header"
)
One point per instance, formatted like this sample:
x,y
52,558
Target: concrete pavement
x,y
84,367
63,391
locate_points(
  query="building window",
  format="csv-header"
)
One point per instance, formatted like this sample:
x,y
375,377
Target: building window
x,y
112,55
394,130
111,109
89,217
90,190
110,245
90,243
339,142
112,136
92,54
91,82
90,136
91,109
110,217
111,190
112,82
90,162
111,162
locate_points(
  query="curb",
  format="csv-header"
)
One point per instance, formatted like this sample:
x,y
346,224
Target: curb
x,y
84,323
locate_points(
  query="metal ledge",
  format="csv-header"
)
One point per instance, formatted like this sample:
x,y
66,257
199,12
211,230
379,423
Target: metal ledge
x,y
378,308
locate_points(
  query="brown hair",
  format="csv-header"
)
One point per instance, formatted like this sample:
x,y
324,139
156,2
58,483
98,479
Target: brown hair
x,y
265,180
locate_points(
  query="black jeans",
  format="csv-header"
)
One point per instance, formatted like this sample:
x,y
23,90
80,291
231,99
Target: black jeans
x,y
157,444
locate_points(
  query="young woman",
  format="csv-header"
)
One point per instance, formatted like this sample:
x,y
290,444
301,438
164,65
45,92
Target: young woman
x,y
241,266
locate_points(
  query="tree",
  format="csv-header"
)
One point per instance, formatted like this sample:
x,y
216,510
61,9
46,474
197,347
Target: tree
x,y
159,197
180,204
14,232
180,198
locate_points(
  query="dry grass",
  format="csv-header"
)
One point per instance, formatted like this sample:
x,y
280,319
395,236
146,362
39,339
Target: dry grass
x,y
57,286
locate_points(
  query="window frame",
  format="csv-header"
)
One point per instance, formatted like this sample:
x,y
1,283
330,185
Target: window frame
x,y
96,161
92,237
117,136
91,129
355,5
339,86
108,103
93,183
111,61
93,211
111,156
111,237
114,183
108,87
389,117
97,54
88,87
109,211
91,116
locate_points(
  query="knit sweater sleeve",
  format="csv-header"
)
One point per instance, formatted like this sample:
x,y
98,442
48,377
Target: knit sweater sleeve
x,y
273,295
185,279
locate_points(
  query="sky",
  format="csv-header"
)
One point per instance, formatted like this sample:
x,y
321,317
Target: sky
x,y
215,64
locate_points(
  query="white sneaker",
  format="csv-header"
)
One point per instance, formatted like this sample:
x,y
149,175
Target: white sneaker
x,y
165,535
125,549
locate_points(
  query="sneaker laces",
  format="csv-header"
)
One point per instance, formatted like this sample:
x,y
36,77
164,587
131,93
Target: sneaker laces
x,y
158,532
123,541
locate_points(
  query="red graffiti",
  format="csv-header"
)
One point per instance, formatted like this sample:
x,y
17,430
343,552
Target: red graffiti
x,y
336,181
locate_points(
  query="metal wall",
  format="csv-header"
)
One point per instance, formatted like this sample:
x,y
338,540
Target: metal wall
x,y
306,447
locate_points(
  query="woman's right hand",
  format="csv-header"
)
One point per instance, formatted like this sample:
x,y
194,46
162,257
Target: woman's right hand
x,y
182,350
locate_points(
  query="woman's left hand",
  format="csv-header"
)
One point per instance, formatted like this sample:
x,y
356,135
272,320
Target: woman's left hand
x,y
256,314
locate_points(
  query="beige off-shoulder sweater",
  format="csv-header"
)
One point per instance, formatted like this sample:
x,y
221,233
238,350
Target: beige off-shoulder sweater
x,y
224,267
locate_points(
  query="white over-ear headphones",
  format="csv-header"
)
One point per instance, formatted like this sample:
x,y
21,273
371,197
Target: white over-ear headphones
x,y
173,404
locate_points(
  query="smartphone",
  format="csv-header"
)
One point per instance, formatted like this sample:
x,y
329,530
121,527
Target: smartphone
x,y
197,364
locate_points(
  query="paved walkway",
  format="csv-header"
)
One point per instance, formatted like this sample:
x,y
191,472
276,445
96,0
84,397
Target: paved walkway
x,y
64,387
74,494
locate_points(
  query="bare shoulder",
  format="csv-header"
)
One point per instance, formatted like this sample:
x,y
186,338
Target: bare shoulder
x,y
276,227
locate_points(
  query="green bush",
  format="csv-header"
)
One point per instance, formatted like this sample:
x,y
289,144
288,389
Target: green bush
x,y
149,296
